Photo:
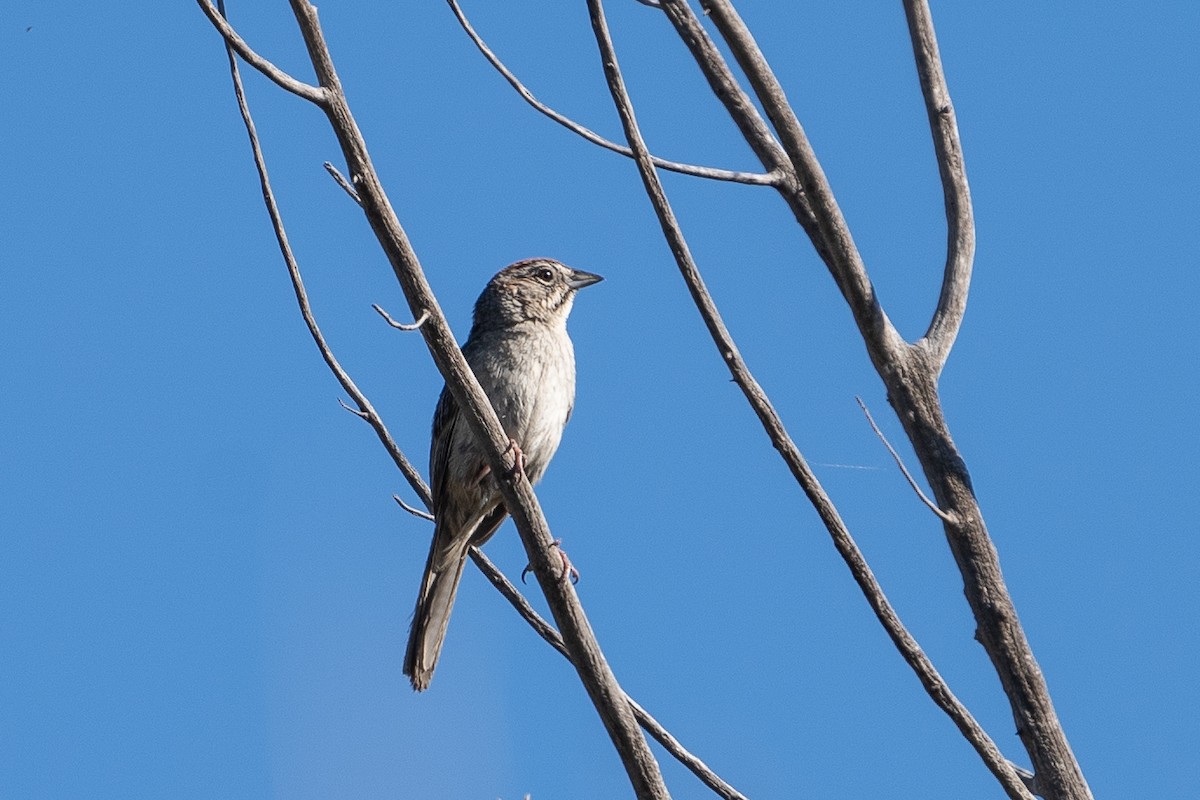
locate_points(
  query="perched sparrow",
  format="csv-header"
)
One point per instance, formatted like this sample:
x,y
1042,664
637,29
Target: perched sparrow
x,y
520,352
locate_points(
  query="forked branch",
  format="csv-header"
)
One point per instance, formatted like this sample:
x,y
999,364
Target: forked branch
x,y
910,372
933,683
284,81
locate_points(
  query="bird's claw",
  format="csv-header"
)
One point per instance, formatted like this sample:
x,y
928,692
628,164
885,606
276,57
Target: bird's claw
x,y
518,463
568,569
518,457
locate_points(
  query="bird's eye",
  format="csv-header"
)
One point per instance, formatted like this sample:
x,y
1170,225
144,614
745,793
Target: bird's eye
x,y
544,275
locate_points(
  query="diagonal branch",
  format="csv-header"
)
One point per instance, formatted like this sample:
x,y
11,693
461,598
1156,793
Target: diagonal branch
x,y
933,683
595,674
365,409
713,173
313,94
960,221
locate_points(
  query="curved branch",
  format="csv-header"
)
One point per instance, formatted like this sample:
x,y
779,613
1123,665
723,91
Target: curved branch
x,y
960,220
930,679
712,173
365,410
593,670
313,94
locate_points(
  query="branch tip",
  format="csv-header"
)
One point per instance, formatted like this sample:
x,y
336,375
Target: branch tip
x,y
341,181
421,320
416,512
313,94
358,412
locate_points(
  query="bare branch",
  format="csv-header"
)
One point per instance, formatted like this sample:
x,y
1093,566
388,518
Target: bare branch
x,y
713,173
356,412
341,181
649,723
903,469
960,220
930,679
590,664
416,512
400,326
365,409
311,93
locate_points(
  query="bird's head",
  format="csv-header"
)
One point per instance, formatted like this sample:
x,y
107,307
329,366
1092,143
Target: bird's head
x,y
534,290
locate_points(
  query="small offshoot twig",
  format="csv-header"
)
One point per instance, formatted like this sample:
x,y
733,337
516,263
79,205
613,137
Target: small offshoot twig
x,y
949,518
341,181
416,512
401,326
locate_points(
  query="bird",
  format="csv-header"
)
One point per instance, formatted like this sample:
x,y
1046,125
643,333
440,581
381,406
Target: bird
x,y
519,350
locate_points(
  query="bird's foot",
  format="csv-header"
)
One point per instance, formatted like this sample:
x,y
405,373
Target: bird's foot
x,y
518,463
568,569
518,457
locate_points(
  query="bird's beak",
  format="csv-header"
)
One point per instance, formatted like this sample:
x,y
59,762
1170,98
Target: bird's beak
x,y
580,279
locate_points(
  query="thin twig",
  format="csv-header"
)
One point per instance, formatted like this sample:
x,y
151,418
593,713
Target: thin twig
x,y
652,726
365,409
355,411
960,220
949,518
313,94
930,679
416,512
341,181
401,326
713,173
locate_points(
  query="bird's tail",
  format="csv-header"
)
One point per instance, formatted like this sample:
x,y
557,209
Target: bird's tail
x,y
443,571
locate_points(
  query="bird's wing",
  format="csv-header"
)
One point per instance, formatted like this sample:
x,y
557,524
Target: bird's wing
x,y
445,418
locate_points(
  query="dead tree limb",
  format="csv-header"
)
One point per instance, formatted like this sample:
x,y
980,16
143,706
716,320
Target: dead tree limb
x,y
598,679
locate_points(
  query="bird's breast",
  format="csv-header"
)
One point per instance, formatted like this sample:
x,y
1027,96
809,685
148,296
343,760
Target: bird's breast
x,y
529,376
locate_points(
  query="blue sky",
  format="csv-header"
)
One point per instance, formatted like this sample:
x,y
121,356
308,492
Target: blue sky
x,y
205,586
